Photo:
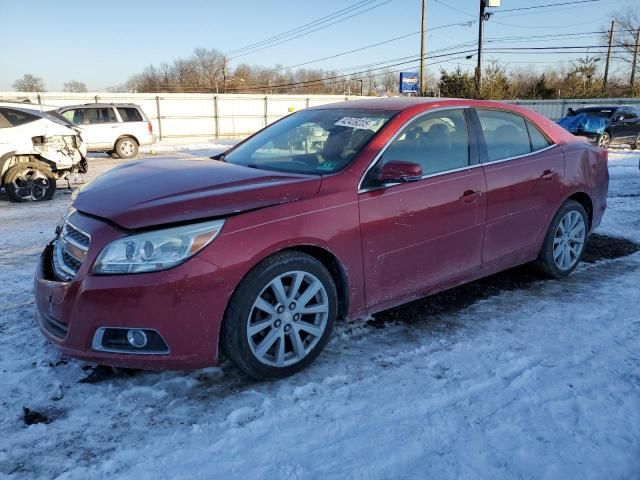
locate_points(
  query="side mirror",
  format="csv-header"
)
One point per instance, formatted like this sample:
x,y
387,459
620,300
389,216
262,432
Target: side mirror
x,y
399,171
619,118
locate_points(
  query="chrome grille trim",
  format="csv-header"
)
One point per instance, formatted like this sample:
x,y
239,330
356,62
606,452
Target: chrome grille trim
x,y
65,263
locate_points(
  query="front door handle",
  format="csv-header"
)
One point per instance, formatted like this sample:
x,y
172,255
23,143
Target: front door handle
x,y
470,196
547,175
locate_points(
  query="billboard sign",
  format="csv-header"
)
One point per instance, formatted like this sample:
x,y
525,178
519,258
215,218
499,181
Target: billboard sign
x,y
409,82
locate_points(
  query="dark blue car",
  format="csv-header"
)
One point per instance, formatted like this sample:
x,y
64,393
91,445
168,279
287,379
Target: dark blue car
x,y
605,125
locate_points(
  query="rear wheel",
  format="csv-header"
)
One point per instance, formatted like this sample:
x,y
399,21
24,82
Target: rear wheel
x,y
281,316
565,241
635,144
30,182
126,148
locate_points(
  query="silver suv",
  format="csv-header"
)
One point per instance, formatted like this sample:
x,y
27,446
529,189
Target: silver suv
x,y
118,128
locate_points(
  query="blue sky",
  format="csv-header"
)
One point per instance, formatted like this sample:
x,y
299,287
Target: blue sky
x,y
103,43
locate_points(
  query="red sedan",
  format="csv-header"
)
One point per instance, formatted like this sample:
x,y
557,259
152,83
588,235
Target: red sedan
x,y
333,212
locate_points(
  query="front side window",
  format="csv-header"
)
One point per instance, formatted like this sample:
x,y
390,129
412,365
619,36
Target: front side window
x,y
436,141
311,141
505,134
628,113
129,114
72,116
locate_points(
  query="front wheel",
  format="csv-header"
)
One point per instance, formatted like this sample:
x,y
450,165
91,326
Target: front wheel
x,y
30,182
565,241
281,316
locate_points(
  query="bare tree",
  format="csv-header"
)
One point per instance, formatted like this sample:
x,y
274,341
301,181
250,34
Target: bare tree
x,y
74,86
627,24
29,83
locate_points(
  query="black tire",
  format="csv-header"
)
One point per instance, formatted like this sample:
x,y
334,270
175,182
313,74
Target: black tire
x,y
545,262
604,140
126,148
234,339
635,144
30,182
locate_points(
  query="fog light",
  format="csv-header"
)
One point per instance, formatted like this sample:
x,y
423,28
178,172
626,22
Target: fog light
x,y
137,338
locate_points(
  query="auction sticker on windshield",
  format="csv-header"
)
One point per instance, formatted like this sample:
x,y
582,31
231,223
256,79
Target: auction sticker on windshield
x,y
360,123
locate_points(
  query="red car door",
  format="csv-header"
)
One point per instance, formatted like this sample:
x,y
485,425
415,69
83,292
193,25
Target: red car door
x,y
418,234
524,183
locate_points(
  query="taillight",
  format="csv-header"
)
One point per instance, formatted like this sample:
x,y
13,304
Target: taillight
x,y
150,127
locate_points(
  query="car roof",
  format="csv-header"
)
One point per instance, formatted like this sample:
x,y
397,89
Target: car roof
x,y
98,105
602,107
405,103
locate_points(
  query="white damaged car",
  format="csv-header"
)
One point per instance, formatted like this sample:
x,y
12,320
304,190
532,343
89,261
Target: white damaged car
x,y
36,150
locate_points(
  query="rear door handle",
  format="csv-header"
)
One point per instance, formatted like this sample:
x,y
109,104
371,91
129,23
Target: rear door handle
x,y
547,175
470,196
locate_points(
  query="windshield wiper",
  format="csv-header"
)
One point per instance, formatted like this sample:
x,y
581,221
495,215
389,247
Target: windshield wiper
x,y
219,157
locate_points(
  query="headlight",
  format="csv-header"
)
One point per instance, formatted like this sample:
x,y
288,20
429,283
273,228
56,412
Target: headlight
x,y
157,250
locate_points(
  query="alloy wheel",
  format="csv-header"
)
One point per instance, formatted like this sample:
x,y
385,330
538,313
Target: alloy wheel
x,y
568,241
604,140
31,184
287,319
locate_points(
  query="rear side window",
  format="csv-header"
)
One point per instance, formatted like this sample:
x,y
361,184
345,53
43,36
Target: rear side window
x,y
129,114
17,118
99,115
505,134
538,140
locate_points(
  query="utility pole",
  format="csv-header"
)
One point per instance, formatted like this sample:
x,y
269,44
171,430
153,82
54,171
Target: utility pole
x,y
224,74
635,58
483,5
422,42
606,66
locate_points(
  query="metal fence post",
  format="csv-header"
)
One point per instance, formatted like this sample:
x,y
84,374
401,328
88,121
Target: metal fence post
x,y
158,117
307,102
216,117
266,110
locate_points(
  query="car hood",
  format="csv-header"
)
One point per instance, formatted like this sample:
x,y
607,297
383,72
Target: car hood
x,y
155,192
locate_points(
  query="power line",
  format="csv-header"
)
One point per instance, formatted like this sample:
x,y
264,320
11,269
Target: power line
x,y
288,38
545,6
302,27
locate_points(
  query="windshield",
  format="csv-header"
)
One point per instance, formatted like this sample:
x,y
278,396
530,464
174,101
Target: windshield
x,y
310,141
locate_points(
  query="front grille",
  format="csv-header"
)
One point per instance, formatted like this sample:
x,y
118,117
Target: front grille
x,y
74,233
70,250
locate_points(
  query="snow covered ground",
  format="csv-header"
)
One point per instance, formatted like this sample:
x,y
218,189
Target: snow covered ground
x,y
509,377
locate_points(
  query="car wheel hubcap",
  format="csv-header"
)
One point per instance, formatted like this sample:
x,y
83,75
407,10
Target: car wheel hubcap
x,y
31,184
280,336
127,148
568,240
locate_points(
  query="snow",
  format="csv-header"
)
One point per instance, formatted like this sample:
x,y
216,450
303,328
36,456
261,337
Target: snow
x,y
541,380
